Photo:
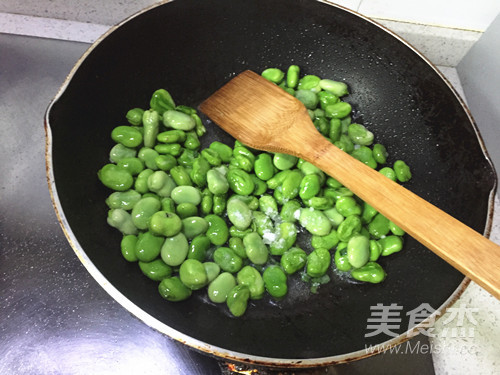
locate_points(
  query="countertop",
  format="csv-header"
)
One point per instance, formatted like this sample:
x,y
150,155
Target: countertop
x,y
55,319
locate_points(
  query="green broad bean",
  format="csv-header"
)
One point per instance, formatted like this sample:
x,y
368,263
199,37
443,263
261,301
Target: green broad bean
x,y
333,215
365,155
161,183
244,151
285,239
327,242
127,136
227,259
144,210
293,260
198,248
284,161
402,170
175,249
217,183
165,162
309,82
292,76
187,158
379,153
341,260
207,202
220,287
217,232
335,87
192,141
358,250
178,120
193,274
212,156
347,206
319,203
371,272
308,98
238,233
115,178
291,184
395,229
389,173
264,167
171,136
164,223
220,204
268,205
379,226
276,181
173,149
148,246
318,262
250,277
348,144
199,172
168,204
275,281
172,289
307,168
236,244
199,127
181,176
309,186
335,130
194,226
327,98
262,223
368,213
186,109
212,269
391,244
185,210
186,194
148,156
333,183
260,186
255,248
322,125
134,116
119,152
338,110
238,213
151,124
224,151
127,247
375,250
156,270
240,181
360,135
337,193
237,300
349,227
315,221
290,211
161,101
123,199
274,75
141,182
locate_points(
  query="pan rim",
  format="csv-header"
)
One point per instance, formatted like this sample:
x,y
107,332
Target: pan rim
x,y
221,353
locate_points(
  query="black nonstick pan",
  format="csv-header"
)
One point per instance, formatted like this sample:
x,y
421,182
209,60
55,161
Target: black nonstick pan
x,y
191,48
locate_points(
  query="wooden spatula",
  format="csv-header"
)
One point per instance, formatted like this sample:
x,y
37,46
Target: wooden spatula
x,y
263,116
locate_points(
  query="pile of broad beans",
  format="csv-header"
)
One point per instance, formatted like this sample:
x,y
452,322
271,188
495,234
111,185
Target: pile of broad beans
x,y
226,217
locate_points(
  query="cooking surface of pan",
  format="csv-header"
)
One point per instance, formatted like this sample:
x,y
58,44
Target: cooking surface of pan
x,y
191,48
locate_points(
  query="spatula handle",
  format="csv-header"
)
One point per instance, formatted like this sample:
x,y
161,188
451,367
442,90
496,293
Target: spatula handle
x,y
462,247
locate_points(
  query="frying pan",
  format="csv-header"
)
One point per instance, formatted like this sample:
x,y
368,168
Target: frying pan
x,y
191,48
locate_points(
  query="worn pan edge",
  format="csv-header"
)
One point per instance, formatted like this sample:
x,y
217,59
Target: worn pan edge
x,y
206,348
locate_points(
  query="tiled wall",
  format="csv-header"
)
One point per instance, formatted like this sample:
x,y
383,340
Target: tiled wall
x,y
462,14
